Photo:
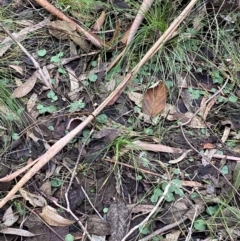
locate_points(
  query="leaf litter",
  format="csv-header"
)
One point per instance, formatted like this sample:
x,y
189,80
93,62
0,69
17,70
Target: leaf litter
x,y
139,154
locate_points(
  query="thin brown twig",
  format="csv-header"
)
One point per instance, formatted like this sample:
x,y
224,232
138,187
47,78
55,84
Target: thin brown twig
x,y
91,203
36,64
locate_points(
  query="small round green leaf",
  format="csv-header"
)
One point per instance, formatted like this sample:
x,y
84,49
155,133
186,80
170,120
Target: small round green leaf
x,y
154,198
102,118
41,52
233,98
200,225
56,182
224,170
169,197
144,230
69,237
211,210
92,77
15,136
158,192
139,177
105,210
94,63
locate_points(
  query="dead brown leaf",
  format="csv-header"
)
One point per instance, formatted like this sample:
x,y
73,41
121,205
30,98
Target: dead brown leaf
x,y
18,68
154,99
26,87
100,21
9,217
64,30
51,216
208,145
35,200
17,231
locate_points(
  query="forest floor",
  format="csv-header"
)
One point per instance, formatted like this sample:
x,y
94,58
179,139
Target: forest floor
x,y
119,120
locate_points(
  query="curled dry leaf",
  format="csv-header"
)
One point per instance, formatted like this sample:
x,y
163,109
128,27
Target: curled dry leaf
x,y
100,21
171,113
17,231
154,99
51,216
18,68
26,87
184,154
136,97
35,200
9,217
65,30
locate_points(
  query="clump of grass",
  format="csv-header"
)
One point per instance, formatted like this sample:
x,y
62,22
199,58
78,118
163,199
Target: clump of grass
x,y
81,10
10,114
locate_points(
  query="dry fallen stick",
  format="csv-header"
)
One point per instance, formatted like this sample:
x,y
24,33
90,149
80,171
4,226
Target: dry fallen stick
x,y
94,39
53,150
146,4
15,174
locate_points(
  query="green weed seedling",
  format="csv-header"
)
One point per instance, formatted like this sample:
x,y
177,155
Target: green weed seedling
x,y
46,109
51,128
175,188
233,98
216,76
15,136
102,118
105,210
156,194
51,95
85,139
76,105
200,225
195,93
144,230
69,237
42,52
224,170
92,77
211,210
139,177
62,70
57,58
20,208
55,182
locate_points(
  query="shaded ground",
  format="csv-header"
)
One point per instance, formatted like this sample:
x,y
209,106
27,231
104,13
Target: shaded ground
x,y
167,171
